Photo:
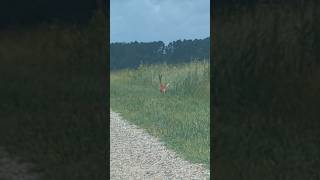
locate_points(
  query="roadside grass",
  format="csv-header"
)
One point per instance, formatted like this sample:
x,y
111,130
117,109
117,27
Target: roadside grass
x,y
180,118
267,92
53,99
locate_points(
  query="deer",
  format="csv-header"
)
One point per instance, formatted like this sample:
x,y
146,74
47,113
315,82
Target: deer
x,y
163,87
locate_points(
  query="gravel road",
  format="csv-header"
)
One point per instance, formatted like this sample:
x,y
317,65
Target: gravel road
x,y
136,155
14,169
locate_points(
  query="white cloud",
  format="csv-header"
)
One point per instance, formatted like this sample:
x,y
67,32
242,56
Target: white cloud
x,y
153,20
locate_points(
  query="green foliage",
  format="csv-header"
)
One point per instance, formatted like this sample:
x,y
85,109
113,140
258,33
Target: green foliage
x,y
180,117
266,83
131,55
53,102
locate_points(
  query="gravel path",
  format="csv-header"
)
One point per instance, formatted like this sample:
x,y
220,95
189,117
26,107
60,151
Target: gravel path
x,y
137,155
14,169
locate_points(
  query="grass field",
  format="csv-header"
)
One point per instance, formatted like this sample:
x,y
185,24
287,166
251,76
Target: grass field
x,y
180,117
267,92
53,99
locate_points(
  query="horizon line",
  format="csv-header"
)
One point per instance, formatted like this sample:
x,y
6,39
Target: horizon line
x,y
157,41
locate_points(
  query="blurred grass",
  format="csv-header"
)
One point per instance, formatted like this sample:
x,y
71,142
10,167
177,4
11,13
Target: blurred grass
x,y
180,117
267,93
54,98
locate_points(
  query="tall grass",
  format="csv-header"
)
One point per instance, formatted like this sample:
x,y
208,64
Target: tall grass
x,y
180,118
267,92
53,99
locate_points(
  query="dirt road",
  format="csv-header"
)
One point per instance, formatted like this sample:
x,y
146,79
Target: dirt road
x,y
134,154
14,169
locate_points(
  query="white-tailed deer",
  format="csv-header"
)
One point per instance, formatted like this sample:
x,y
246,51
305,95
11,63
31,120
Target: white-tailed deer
x,y
163,87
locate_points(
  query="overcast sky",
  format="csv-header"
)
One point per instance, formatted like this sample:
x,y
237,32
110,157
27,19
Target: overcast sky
x,y
159,20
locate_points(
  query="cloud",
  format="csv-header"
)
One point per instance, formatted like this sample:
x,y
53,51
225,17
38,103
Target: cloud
x,y
154,20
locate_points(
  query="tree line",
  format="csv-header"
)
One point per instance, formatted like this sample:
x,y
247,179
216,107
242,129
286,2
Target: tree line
x,y
131,55
16,13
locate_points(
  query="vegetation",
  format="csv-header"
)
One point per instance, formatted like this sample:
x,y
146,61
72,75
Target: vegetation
x,y
54,98
266,92
180,117
21,14
131,55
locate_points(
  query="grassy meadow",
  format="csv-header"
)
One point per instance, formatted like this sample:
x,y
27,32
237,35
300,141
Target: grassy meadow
x,y
180,118
266,92
54,98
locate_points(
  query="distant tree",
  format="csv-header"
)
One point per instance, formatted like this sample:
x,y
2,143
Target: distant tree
x,y
29,13
130,55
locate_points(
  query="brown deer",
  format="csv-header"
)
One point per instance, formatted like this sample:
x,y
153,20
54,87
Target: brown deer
x,y
163,87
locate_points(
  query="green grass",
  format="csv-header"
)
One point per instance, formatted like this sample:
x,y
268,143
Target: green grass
x,y
267,93
180,117
53,99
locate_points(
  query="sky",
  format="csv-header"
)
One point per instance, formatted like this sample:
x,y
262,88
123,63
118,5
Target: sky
x,y
159,20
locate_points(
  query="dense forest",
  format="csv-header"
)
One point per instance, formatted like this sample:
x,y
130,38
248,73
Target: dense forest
x,y
131,55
